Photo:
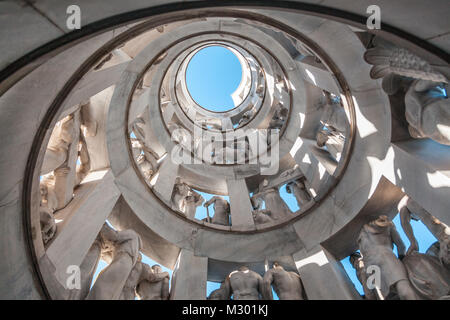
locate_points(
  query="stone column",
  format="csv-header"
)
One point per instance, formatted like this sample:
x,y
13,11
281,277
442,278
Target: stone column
x,y
323,277
240,205
189,277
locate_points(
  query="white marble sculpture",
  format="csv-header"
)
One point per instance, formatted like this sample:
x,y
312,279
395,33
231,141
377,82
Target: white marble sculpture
x,y
57,149
221,210
299,190
428,273
426,107
140,273
260,216
48,205
220,294
186,200
333,115
244,284
121,250
287,284
357,262
273,201
375,242
427,111
154,287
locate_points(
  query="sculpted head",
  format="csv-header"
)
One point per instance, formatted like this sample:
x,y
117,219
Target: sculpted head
x,y
355,259
243,268
382,221
156,268
276,265
321,138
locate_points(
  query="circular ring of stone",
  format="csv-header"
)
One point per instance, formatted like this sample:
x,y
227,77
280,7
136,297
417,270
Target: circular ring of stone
x,y
241,171
135,77
247,87
253,101
354,165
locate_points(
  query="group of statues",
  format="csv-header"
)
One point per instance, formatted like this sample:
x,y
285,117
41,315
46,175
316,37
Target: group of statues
x,y
413,84
245,284
146,158
275,207
411,275
280,116
66,163
334,126
186,200
126,276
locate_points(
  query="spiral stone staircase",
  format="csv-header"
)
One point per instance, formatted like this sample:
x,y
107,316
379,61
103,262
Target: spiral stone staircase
x,y
98,125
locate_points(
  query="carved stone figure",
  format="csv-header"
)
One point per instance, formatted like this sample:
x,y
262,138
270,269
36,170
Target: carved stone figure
x,y
333,115
88,123
85,163
155,287
410,209
332,140
427,111
426,107
260,215
428,273
121,249
220,294
221,210
47,207
142,272
287,284
180,192
272,199
428,276
386,59
246,117
376,243
57,149
357,262
186,200
279,117
244,284
298,189
146,158
48,224
193,201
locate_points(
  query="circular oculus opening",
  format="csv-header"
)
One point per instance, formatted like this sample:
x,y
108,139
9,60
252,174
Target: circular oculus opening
x,y
212,77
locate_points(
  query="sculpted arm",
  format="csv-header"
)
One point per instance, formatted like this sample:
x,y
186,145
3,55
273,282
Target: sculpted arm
x,y
405,219
165,289
398,242
267,285
108,234
150,276
210,201
227,287
436,227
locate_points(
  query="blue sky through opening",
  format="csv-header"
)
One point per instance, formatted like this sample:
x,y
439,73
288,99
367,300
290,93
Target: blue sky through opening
x,y
212,75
